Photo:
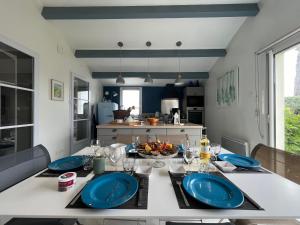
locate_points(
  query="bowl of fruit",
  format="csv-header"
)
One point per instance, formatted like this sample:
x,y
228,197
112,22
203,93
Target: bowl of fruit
x,y
157,150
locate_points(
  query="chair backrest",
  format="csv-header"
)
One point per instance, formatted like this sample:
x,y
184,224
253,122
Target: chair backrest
x,y
21,165
235,145
278,161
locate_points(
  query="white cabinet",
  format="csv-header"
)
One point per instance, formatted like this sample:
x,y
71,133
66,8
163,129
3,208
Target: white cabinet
x,y
109,136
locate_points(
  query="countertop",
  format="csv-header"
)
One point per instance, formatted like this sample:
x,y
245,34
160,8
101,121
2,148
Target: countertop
x,y
147,126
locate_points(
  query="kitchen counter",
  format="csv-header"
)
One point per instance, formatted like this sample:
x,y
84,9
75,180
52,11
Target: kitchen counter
x,y
176,134
147,126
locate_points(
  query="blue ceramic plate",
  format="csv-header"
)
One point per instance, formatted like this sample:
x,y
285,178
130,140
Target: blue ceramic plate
x,y
67,163
239,160
213,190
109,191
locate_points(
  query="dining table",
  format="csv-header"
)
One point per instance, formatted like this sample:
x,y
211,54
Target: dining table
x,y
38,197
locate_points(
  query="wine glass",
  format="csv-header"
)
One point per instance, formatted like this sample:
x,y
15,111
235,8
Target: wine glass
x,y
189,156
115,154
215,150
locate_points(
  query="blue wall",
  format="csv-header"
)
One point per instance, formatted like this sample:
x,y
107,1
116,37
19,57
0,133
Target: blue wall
x,y
151,97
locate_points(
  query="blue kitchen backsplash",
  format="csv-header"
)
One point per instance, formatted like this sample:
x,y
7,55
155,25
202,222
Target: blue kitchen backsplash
x,y
151,97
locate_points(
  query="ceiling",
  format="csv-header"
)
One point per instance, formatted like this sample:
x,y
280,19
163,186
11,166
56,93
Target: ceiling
x,y
195,33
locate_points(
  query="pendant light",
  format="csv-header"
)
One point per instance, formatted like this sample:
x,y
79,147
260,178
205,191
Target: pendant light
x,y
178,80
120,79
148,78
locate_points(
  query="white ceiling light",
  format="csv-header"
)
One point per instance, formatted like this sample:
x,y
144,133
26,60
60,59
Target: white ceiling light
x,y
120,79
178,80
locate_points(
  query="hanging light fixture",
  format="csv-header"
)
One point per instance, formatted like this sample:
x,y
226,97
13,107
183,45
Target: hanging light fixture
x,y
178,80
148,78
120,79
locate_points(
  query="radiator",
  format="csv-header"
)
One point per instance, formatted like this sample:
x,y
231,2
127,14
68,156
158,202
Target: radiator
x,y
234,145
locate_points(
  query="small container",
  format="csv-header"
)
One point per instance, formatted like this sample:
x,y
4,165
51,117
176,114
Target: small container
x,y
66,181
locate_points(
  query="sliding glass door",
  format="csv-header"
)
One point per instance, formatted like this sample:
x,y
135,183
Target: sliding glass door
x,y
80,108
287,99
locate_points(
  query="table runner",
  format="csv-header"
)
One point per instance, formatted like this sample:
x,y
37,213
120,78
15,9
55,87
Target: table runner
x,y
138,201
249,204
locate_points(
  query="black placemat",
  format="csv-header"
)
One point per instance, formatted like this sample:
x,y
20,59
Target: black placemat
x,y
139,201
245,170
249,204
50,173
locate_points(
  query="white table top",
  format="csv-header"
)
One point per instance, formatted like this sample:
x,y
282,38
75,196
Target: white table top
x,y
38,197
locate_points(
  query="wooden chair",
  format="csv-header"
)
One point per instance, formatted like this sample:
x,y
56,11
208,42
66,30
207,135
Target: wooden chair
x,y
281,162
19,166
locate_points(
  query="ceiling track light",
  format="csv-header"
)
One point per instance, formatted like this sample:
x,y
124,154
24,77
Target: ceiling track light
x,y
148,78
120,79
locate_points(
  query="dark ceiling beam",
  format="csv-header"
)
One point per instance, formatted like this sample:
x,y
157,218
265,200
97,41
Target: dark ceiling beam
x,y
150,53
154,75
145,12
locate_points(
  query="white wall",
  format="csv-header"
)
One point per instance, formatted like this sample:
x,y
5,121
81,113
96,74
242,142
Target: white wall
x,y
21,23
275,19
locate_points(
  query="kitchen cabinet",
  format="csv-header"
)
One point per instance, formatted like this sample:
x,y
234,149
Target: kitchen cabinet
x,y
109,134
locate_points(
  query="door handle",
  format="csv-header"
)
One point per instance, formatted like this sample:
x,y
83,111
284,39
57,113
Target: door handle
x,y
148,130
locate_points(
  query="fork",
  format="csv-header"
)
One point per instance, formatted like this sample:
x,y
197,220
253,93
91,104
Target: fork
x,y
182,193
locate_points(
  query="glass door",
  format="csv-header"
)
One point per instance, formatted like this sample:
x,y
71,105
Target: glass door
x,y
287,99
80,114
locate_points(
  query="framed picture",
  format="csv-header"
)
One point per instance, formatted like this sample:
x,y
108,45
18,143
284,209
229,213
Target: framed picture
x,y
228,88
57,90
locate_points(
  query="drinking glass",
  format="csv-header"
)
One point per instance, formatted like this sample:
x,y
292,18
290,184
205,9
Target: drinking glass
x,y
128,165
96,147
189,156
88,162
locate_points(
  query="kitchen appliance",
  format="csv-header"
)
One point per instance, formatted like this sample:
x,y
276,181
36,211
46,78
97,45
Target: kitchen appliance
x,y
105,112
168,104
195,115
195,101
176,115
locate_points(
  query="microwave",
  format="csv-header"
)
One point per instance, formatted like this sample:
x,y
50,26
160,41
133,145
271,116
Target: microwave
x,y
195,101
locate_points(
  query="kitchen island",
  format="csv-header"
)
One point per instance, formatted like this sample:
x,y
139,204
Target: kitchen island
x,y
112,133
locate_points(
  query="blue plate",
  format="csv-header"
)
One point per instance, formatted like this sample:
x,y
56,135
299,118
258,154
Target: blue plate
x,y
109,191
239,160
67,163
213,190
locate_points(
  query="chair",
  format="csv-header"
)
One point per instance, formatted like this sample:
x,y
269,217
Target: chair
x,y
278,161
19,166
281,162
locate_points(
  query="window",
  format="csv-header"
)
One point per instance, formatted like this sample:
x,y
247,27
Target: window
x,y
287,95
16,101
131,97
80,114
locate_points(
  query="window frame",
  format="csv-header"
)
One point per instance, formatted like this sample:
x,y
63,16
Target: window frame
x,y
140,89
277,48
34,90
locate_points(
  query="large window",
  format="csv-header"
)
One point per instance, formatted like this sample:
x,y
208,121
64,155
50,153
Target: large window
x,y
287,95
131,97
16,102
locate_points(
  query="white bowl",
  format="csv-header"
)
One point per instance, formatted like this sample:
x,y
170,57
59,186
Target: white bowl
x,y
225,166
